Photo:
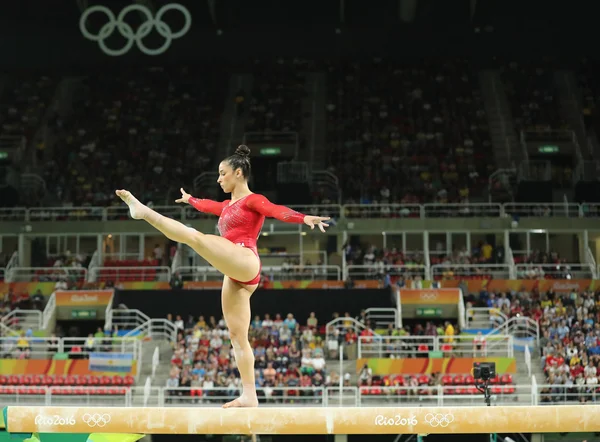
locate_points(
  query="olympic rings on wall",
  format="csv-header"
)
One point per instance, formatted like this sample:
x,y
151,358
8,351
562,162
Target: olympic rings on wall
x,y
142,31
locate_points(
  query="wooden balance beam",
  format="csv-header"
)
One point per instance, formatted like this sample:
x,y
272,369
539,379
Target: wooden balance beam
x,y
304,420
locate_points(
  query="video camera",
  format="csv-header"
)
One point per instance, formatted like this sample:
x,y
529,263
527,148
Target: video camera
x,y
484,370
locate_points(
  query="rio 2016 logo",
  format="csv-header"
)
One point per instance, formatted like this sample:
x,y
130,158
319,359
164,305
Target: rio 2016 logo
x,y
396,420
54,420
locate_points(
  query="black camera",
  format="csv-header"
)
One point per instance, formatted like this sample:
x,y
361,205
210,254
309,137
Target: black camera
x,y
484,370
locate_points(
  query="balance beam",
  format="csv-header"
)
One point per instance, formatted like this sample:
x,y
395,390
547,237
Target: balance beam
x,y
304,420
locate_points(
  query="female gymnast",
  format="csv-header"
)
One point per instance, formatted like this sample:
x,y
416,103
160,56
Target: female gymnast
x,y
234,253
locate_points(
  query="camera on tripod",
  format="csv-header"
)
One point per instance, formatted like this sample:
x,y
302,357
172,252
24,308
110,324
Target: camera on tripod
x,y
484,370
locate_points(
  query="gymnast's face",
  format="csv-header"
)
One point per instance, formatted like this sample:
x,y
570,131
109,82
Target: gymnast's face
x,y
229,178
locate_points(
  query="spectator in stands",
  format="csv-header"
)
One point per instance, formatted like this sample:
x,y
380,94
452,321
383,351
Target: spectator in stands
x,y
172,384
179,325
312,322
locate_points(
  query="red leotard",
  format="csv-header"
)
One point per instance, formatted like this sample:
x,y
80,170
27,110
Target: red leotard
x,y
241,222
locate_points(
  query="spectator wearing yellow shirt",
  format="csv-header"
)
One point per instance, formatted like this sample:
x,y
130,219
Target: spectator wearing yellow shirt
x,y
449,332
486,251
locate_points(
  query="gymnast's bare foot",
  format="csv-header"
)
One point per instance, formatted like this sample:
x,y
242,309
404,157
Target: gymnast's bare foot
x,y
243,402
136,209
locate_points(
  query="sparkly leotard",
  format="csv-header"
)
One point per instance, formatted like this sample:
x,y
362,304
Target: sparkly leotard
x,y
241,221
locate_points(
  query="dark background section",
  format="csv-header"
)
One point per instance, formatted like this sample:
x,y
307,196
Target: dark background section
x,y
35,33
158,303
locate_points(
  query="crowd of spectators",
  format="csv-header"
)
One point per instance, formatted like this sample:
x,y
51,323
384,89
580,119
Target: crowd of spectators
x,y
533,95
570,345
418,130
25,100
287,356
118,129
277,93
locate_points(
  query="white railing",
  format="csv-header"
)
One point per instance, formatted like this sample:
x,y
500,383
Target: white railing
x,y
519,327
49,311
336,396
454,210
274,273
128,319
534,390
557,394
438,395
13,214
495,271
420,346
343,324
141,273
543,210
45,274
157,329
46,348
330,396
155,360
527,356
147,390
379,271
382,317
108,314
337,211
555,271
591,261
485,317
19,319
270,396
66,213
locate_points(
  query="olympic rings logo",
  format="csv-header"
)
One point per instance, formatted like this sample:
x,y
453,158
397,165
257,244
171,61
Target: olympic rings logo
x,y
96,420
142,31
428,296
439,420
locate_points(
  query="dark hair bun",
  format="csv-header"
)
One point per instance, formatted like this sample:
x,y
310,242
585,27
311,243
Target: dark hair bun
x,y
243,151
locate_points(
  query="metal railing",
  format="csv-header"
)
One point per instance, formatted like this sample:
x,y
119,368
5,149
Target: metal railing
x,y
377,271
49,311
274,273
329,396
453,210
420,346
495,271
157,329
438,395
555,271
141,273
527,357
484,317
519,327
382,317
128,319
545,210
19,319
45,274
14,214
553,394
456,210
273,396
45,348
83,213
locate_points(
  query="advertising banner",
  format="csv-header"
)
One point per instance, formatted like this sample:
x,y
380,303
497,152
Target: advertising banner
x,y
449,296
83,298
385,366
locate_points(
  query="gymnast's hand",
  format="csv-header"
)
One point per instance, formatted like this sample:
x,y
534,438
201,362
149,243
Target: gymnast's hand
x,y
313,221
185,197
